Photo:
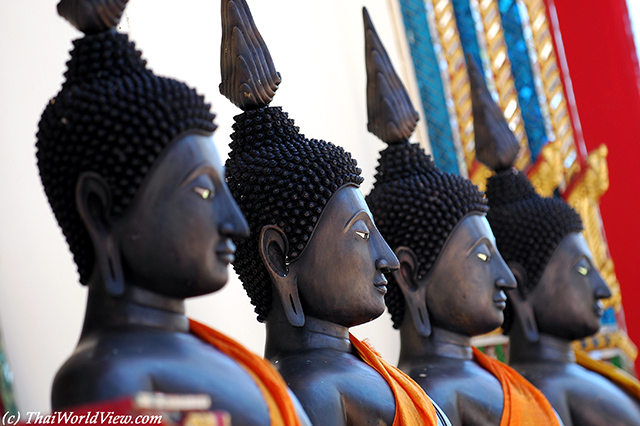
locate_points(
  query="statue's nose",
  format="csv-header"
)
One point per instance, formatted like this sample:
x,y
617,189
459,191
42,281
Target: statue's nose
x,y
507,283
383,266
232,222
601,289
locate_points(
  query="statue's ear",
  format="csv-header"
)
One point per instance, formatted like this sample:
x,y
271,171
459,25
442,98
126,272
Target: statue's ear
x,y
93,201
273,248
414,294
521,305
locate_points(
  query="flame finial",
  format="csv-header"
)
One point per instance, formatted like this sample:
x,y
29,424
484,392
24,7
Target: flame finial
x,y
496,145
392,117
249,78
92,16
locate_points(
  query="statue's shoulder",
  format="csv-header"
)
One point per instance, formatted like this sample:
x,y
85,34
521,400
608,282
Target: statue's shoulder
x,y
111,365
338,386
459,387
92,373
312,377
581,395
592,396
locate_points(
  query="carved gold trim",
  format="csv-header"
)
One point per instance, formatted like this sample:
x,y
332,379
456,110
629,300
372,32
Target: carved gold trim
x,y
548,171
545,67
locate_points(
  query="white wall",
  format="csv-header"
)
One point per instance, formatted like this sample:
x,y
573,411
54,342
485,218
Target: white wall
x,y
317,45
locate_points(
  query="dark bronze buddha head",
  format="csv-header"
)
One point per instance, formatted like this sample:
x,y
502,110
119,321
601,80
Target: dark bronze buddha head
x,y
312,234
130,170
451,276
540,238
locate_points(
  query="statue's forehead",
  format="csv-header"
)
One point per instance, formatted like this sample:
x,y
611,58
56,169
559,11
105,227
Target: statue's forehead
x,y
470,231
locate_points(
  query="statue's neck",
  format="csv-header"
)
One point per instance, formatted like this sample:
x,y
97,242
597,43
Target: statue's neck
x,y
546,349
441,343
135,308
283,339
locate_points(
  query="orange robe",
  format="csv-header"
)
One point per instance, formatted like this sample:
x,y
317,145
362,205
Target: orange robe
x,y
524,404
413,406
271,384
618,376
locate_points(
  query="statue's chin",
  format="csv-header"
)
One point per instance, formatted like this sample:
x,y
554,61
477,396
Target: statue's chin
x,y
585,331
487,326
362,318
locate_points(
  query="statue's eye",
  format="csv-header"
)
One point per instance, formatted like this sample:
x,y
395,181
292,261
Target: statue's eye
x,y
205,193
583,271
363,235
483,256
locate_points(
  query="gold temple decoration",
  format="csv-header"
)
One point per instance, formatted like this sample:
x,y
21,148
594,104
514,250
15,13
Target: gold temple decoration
x,y
583,194
559,161
547,173
445,26
442,25
605,340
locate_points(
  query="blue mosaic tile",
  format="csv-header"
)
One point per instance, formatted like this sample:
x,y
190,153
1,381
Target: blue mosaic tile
x,y
467,30
430,84
523,76
609,317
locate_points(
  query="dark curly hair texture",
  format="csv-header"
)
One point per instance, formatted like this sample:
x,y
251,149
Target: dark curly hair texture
x,y
114,117
527,227
278,177
417,205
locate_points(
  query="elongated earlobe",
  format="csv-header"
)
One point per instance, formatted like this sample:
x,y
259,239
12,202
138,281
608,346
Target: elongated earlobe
x,y
522,306
273,249
93,201
414,294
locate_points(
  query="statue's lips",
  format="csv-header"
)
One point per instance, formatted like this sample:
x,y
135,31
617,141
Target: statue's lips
x,y
500,300
598,308
381,287
226,251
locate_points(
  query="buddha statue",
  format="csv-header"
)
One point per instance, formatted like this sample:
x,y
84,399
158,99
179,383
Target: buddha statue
x,y
314,263
452,280
129,166
559,292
